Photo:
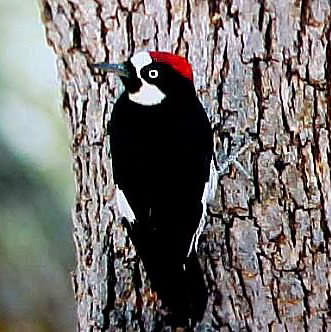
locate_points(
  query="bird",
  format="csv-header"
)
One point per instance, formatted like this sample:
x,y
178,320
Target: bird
x,y
161,146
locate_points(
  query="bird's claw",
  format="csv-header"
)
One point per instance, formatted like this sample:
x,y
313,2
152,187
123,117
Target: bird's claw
x,y
224,162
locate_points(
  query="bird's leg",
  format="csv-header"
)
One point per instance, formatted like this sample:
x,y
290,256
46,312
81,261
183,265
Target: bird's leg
x,y
225,161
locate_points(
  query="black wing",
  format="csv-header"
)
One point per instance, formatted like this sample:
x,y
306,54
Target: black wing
x,y
161,159
160,151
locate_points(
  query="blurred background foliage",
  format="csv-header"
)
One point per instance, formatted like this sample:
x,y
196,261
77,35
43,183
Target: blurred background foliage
x,y
36,183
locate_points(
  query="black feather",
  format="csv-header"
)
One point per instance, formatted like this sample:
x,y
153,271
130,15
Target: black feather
x,y
161,158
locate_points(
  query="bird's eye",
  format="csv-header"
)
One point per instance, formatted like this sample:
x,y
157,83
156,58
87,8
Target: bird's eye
x,y
153,73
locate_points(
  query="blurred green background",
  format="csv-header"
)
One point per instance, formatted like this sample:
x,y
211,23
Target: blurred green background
x,y
36,182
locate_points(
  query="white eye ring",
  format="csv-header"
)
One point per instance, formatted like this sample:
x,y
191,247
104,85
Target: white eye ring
x,y
153,73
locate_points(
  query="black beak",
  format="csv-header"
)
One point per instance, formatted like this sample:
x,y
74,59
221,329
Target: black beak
x,y
119,69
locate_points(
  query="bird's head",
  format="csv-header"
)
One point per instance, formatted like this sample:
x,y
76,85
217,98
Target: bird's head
x,y
150,77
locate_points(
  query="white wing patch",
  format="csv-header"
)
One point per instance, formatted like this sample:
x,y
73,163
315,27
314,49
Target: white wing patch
x,y
208,195
124,208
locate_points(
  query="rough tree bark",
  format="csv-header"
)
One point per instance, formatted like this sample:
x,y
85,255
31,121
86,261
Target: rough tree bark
x,y
262,70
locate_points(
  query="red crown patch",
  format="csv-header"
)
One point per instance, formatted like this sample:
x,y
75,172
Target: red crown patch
x,y
177,62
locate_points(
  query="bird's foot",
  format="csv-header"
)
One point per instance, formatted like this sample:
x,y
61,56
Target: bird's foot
x,y
225,161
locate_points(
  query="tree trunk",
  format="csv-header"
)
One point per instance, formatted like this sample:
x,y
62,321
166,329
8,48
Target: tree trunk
x,y
262,70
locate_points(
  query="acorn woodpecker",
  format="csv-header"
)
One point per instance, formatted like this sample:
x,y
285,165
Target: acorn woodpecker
x,y
161,147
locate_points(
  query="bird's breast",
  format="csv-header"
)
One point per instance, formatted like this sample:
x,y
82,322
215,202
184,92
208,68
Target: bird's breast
x,y
156,143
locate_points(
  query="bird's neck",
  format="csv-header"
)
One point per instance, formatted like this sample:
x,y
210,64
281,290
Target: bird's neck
x,y
147,95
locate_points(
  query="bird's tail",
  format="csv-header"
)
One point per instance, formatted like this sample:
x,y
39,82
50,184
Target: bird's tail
x,y
197,290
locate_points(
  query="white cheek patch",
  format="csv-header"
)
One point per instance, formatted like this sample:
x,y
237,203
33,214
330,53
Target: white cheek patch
x,y
148,94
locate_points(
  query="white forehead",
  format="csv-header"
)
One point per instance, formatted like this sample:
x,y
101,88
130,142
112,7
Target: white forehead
x,y
141,60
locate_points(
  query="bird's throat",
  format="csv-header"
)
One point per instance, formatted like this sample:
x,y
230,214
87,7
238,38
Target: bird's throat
x,y
147,95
